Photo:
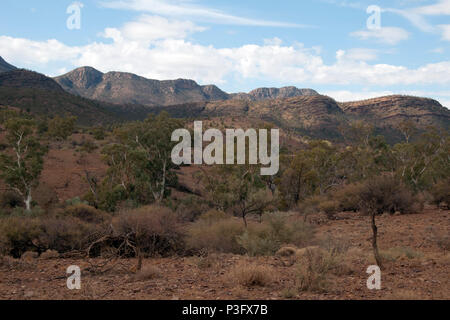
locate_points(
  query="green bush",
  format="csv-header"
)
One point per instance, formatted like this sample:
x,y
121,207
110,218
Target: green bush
x,y
216,236
75,201
329,207
441,193
387,194
85,213
190,208
65,234
276,230
62,234
347,197
18,235
213,216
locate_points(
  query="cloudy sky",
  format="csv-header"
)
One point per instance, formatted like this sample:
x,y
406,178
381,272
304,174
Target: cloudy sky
x,y
333,46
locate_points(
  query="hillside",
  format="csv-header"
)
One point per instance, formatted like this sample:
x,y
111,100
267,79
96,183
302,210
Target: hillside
x,y
322,117
5,66
273,93
309,114
391,110
119,87
42,96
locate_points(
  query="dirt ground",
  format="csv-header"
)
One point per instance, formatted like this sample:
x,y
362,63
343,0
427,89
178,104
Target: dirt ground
x,y
422,275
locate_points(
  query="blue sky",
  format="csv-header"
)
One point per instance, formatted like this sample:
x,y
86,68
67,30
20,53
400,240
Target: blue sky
x,y
240,45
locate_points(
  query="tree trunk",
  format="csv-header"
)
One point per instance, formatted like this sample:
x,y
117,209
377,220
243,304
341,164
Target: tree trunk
x,y
374,241
244,218
27,202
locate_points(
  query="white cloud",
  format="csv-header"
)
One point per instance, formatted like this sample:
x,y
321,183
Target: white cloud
x,y
346,96
273,42
442,7
437,50
186,9
361,54
388,35
445,28
148,28
165,53
415,18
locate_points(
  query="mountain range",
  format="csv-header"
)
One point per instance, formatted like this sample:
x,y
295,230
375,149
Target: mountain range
x,y
100,98
121,87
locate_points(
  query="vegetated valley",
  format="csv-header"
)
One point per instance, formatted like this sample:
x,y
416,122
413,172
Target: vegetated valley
x,y
86,179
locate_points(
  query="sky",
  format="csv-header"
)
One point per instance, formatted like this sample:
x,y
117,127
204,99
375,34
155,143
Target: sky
x,y
349,50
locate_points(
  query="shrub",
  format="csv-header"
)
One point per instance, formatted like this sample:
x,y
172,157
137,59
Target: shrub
x,y
49,254
329,207
65,234
85,213
45,196
18,235
347,197
441,193
315,265
10,200
99,133
310,205
250,275
75,201
386,194
206,262
88,146
213,216
154,230
258,243
189,209
276,230
218,236
29,255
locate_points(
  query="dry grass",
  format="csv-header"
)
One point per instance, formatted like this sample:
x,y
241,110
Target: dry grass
x,y
207,262
289,293
250,275
49,254
148,272
404,294
399,253
316,265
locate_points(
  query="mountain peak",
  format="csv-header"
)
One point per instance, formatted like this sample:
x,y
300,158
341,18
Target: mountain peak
x,y
84,77
5,66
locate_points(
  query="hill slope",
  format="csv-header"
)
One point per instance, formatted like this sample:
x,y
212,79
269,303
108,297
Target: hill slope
x,y
391,110
40,95
119,87
320,116
5,66
261,94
